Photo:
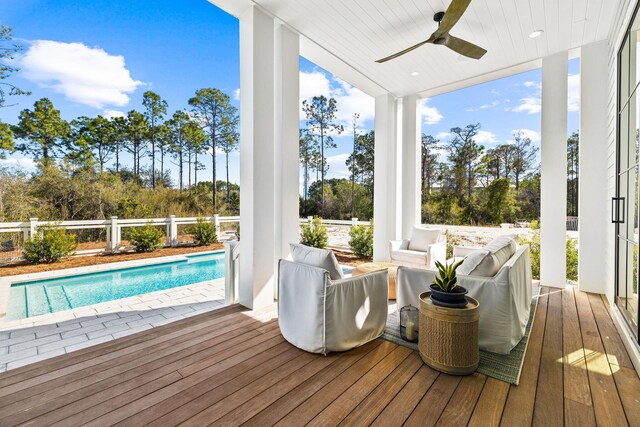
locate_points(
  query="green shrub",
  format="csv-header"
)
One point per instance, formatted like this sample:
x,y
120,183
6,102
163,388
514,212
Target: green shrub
x,y
49,245
572,260
146,239
534,248
314,234
452,241
204,232
361,240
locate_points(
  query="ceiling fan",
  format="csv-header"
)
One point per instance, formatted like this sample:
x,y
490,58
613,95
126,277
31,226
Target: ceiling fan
x,y
446,21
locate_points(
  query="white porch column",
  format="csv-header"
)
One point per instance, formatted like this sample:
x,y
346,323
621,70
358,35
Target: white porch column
x,y
593,221
386,191
257,258
553,170
286,165
411,196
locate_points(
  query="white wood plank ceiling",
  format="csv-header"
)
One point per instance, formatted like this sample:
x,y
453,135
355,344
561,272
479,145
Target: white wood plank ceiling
x,y
360,31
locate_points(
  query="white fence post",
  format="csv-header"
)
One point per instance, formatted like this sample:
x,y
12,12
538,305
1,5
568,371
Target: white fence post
x,y
115,234
310,219
216,224
172,232
33,227
354,222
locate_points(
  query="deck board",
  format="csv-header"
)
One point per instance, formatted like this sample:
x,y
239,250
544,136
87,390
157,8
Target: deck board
x,y
232,367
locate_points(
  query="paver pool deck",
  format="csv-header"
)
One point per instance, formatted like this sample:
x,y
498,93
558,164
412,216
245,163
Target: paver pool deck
x,y
37,338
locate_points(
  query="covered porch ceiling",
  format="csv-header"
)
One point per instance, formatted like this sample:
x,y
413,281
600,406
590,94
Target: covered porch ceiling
x,y
346,37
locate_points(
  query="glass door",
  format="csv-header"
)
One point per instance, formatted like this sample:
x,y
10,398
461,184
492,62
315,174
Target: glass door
x,y
624,206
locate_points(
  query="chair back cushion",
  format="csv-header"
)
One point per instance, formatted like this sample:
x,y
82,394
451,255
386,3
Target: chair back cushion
x,y
486,262
321,258
421,238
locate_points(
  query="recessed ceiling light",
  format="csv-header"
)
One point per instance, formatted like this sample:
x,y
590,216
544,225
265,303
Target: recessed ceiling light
x,y
415,73
536,33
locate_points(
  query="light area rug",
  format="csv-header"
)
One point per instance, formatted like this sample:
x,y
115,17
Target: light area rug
x,y
504,367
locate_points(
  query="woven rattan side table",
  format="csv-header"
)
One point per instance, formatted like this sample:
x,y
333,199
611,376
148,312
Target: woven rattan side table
x,y
448,337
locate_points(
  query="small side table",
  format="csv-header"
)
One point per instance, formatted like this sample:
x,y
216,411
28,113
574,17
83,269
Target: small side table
x,y
375,266
448,340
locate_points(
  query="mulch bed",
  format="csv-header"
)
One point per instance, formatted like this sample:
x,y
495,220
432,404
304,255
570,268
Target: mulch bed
x,y
350,259
22,267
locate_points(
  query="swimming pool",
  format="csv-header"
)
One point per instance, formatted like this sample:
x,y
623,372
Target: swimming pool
x,y
51,295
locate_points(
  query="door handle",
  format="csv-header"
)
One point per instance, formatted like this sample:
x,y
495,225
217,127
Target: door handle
x,y
615,210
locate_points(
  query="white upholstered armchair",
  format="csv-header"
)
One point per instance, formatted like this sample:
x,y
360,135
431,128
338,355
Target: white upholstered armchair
x,y
426,246
321,311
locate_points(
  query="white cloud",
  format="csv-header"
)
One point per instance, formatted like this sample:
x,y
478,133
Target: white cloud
x,y
431,115
530,105
443,135
86,75
485,137
110,114
529,133
574,92
337,166
24,162
532,84
484,106
349,99
236,94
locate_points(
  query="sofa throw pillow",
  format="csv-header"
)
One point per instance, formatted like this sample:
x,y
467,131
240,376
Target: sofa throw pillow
x,y
486,262
472,261
321,258
421,238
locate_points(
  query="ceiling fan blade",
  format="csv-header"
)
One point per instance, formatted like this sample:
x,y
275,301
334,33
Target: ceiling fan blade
x,y
463,47
453,14
402,52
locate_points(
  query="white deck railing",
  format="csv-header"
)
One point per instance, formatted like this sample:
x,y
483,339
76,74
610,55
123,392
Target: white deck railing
x,y
113,227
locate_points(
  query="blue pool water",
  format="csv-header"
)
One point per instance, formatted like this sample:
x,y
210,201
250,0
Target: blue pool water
x,y
48,296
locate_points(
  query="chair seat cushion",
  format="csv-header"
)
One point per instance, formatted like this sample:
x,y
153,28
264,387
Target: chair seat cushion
x,y
422,238
321,258
415,257
486,262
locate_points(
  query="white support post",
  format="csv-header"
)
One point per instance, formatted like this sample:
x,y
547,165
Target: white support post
x,y
386,190
115,234
354,222
592,185
287,140
411,196
172,235
553,171
257,272
33,227
216,224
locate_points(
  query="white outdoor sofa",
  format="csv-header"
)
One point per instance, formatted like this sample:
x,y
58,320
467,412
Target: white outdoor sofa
x,y
505,297
426,246
320,311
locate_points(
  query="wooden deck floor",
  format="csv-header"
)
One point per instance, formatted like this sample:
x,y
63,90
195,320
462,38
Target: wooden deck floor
x,y
232,367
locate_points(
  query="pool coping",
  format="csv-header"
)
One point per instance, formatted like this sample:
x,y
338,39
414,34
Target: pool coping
x,y
7,281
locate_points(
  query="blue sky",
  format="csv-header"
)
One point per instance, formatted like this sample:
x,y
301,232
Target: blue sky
x,y
98,57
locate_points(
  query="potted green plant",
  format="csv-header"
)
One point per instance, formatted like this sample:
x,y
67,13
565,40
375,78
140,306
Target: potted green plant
x,y
445,291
